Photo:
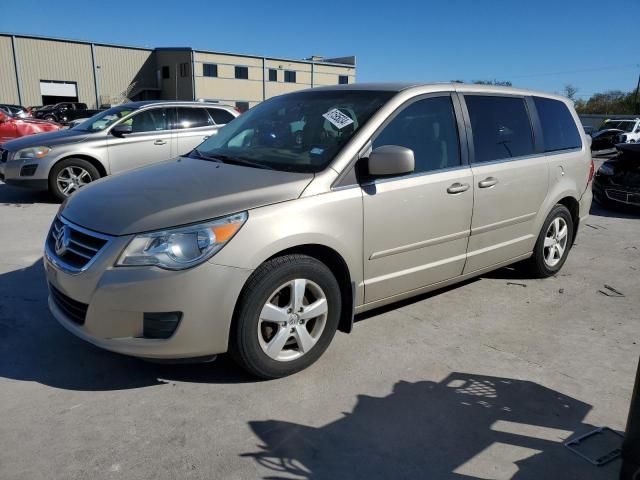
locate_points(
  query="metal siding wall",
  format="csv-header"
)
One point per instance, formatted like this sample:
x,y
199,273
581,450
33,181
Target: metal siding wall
x,y
183,90
8,85
54,60
120,68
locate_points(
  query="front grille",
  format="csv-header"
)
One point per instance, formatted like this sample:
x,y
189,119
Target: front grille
x,y
624,197
4,155
72,247
74,310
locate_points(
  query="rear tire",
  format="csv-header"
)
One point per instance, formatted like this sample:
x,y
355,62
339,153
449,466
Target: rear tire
x,y
277,332
553,244
69,175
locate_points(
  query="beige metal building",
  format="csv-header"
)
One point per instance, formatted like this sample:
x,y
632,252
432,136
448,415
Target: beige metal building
x,y
40,71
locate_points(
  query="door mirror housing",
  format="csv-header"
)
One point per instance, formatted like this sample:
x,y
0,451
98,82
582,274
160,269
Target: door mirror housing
x,y
391,160
121,130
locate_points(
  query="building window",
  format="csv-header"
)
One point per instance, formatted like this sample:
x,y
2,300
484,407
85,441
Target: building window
x,y
289,76
242,106
209,70
273,75
184,69
166,73
343,79
242,73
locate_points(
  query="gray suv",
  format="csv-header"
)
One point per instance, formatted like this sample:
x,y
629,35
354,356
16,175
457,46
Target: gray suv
x,y
314,206
124,137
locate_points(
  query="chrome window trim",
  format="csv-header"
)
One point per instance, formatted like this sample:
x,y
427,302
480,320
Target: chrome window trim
x,y
62,265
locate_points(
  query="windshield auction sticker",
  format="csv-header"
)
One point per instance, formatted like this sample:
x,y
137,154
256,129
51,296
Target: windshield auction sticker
x,y
337,118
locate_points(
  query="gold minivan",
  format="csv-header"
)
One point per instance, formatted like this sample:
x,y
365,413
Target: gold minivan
x,y
312,207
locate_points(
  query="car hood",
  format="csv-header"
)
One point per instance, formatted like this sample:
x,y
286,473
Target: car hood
x,y
48,139
178,192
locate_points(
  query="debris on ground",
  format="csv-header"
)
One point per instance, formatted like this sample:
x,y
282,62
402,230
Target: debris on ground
x,y
517,283
611,292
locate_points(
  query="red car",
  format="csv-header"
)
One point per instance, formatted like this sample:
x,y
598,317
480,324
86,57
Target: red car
x,y
14,127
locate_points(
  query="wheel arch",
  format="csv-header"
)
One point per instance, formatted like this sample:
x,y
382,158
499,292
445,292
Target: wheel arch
x,y
338,266
102,170
573,205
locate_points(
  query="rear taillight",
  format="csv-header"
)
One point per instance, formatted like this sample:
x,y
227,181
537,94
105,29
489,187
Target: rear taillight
x,y
592,170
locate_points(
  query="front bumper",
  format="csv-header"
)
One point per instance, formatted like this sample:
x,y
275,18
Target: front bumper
x,y
117,298
27,173
610,192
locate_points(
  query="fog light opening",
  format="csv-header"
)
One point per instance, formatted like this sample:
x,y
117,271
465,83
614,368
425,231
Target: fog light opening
x,y
160,324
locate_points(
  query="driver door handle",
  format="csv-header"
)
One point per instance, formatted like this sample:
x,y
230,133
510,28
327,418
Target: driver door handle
x,y
458,188
488,182
160,142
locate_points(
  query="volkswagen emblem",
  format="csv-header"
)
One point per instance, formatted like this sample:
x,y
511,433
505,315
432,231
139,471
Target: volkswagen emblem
x,y
62,242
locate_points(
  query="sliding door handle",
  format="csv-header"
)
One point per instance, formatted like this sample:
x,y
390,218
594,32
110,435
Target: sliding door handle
x,y
458,188
160,142
488,182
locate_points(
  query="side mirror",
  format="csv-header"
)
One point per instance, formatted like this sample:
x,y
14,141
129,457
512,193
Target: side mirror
x,y
121,130
391,160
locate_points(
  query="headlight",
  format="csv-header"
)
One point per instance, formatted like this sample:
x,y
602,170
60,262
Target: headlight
x,y
606,169
31,153
181,248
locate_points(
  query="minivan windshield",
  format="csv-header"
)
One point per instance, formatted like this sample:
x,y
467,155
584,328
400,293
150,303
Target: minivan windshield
x,y
298,132
105,119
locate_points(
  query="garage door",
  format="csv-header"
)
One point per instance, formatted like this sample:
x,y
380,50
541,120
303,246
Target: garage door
x,y
58,91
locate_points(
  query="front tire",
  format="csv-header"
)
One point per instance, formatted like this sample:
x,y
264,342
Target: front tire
x,y
553,244
70,175
287,316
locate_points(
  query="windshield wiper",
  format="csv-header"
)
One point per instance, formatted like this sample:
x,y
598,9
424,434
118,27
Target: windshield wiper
x,y
239,161
198,154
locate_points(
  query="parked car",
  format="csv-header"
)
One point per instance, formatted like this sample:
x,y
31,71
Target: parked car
x,y
121,138
15,110
264,246
617,181
65,112
612,132
14,127
589,130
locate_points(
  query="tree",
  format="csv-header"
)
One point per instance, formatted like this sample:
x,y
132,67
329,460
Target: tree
x,y
570,92
503,83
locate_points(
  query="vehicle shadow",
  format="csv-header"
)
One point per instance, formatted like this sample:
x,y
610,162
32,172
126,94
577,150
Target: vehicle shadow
x,y
464,427
10,195
34,347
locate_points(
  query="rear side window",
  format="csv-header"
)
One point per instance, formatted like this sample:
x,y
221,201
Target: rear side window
x,y
428,127
501,127
192,118
558,127
220,116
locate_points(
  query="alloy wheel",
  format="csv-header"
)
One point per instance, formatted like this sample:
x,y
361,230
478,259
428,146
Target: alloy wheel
x,y
292,320
72,178
555,241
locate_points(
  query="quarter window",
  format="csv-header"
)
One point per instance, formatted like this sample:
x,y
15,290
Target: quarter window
x,y
220,116
428,127
558,127
193,118
209,70
290,76
501,127
149,121
242,73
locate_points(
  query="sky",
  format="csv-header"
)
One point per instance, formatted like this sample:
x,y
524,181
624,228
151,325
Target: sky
x,y
543,44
